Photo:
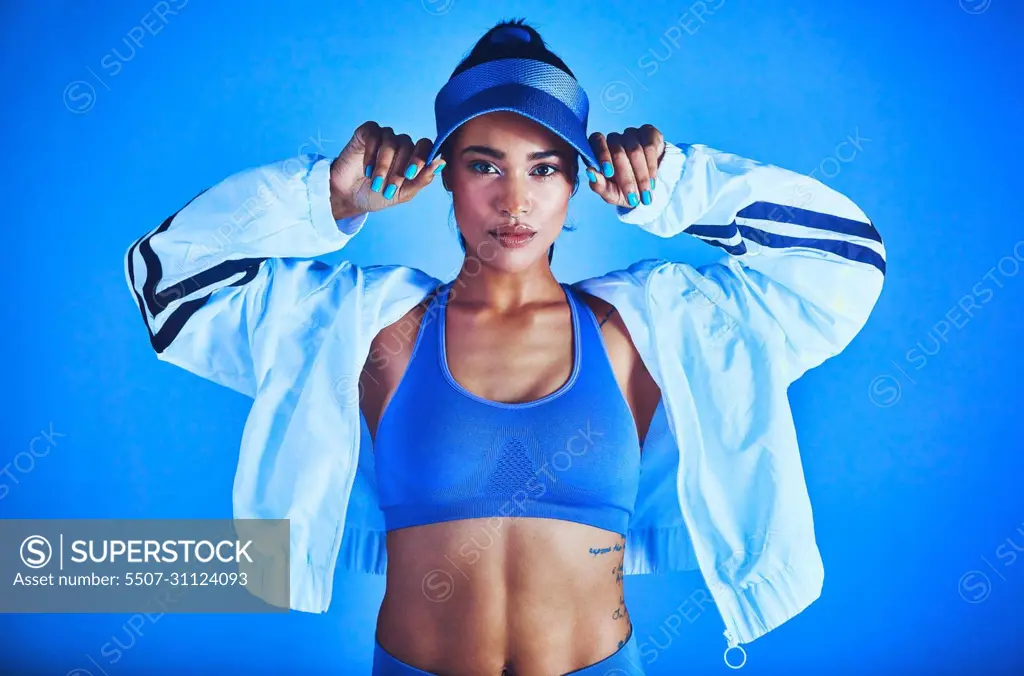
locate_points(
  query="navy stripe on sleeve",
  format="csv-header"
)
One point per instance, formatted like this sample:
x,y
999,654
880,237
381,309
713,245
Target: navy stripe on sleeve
x,y
158,302
217,273
796,216
780,213
848,250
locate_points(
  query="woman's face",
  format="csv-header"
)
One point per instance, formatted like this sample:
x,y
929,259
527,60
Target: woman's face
x,y
511,180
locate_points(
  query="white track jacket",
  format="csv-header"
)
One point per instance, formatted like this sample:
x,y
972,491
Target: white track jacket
x,y
229,289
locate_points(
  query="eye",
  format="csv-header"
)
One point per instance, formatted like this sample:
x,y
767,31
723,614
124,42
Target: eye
x,y
552,172
480,167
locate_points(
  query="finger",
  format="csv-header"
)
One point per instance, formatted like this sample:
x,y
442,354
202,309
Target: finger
x,y
414,174
633,145
396,173
385,155
624,179
598,183
604,186
368,135
654,146
599,144
427,173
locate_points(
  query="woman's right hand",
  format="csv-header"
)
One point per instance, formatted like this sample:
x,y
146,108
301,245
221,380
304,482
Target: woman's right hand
x,y
370,173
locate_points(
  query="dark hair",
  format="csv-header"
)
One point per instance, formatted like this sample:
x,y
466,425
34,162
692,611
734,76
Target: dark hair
x,y
486,50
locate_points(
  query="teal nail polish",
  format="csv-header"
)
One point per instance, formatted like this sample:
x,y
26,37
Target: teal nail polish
x,y
609,170
377,183
390,191
369,170
633,201
440,167
645,197
591,175
652,184
411,171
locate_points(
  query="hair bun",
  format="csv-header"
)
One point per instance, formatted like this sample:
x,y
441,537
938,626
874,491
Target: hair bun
x,y
510,34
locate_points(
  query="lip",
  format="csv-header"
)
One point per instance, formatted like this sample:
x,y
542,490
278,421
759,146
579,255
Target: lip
x,y
513,238
517,229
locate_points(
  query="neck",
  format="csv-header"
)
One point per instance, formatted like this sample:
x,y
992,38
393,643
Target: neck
x,y
500,290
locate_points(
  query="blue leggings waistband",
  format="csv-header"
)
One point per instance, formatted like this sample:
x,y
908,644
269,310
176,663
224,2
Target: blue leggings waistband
x,y
623,662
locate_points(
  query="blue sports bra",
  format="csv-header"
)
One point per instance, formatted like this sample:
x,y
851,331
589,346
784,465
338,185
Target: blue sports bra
x,y
442,453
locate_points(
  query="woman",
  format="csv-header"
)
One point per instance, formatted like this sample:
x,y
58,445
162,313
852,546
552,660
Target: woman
x,y
504,486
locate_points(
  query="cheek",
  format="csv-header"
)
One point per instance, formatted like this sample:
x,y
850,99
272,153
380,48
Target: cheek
x,y
553,198
473,202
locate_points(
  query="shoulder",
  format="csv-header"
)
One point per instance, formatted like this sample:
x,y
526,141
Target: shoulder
x,y
397,337
641,392
602,309
614,331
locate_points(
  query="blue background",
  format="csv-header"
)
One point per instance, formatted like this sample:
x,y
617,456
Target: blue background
x,y
910,439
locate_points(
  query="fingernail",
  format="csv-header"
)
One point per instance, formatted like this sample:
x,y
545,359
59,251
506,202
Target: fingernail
x,y
645,197
609,170
633,201
652,184
440,167
591,175
411,171
369,170
377,183
389,192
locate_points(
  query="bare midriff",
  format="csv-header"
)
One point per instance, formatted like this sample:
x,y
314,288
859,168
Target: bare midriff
x,y
515,595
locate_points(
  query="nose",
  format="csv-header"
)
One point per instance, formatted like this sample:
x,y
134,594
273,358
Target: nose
x,y
515,200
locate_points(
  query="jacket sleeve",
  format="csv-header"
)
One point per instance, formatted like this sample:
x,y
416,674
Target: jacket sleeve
x,y
805,266
208,278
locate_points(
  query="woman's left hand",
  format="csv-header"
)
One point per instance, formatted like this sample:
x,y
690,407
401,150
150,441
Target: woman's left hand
x,y
629,164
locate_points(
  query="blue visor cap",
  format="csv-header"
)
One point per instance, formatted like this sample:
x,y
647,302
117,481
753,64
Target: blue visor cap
x,y
534,89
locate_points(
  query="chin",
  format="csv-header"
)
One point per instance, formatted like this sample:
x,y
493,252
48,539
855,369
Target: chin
x,y
511,261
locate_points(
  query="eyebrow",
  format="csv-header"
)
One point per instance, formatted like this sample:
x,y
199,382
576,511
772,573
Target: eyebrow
x,y
499,155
